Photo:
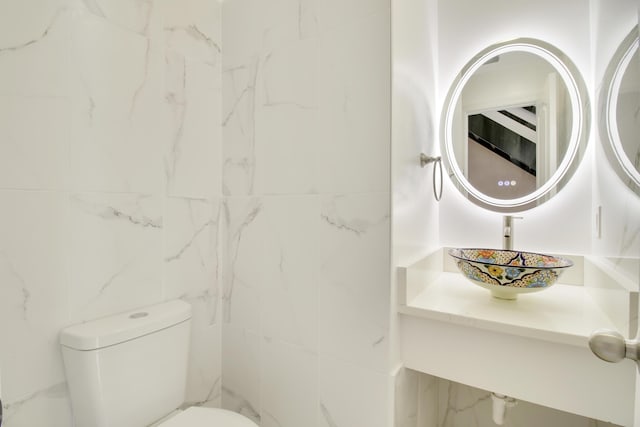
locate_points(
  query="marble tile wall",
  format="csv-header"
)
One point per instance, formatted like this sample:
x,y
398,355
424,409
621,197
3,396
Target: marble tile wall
x,y
426,401
126,180
306,262
461,405
110,182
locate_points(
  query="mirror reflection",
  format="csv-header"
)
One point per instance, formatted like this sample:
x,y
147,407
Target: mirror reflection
x,y
515,111
515,125
620,108
628,112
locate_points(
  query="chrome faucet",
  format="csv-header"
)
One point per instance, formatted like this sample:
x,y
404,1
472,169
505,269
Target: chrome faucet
x,y
507,231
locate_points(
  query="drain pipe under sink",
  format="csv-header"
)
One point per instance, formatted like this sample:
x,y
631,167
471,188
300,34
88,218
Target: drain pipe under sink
x,y
500,405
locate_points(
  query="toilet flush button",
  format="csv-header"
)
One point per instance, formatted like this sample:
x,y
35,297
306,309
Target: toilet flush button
x,y
138,315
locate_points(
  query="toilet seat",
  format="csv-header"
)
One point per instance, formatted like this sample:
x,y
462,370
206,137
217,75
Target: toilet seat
x,y
207,417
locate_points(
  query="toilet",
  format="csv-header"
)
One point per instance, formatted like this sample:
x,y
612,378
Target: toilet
x,y
130,370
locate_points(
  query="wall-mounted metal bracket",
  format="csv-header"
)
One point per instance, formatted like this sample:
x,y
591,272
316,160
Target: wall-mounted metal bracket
x,y
437,161
425,160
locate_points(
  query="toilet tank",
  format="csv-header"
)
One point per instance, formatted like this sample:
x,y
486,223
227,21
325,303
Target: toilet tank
x,y
130,369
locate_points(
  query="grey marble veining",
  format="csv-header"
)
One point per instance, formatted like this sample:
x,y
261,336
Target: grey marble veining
x,y
326,416
11,409
234,239
270,419
93,7
133,213
145,76
112,279
238,124
177,101
240,404
630,234
188,244
20,281
38,38
464,406
135,16
212,396
355,225
197,35
459,406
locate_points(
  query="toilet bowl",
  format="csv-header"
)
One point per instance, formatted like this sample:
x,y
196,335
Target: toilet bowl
x,y
130,370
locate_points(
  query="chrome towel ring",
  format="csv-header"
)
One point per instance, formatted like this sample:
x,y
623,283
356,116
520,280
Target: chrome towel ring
x,y
437,161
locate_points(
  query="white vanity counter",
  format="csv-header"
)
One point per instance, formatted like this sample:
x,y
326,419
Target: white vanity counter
x,y
565,314
534,348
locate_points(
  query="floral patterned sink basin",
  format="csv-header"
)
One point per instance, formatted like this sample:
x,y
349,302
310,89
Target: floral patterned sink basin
x,y
507,273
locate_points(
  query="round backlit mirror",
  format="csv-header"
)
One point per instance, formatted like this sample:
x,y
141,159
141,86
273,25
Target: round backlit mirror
x,y
514,125
620,110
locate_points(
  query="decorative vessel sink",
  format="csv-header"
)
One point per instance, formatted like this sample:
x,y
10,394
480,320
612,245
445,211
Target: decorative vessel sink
x,y
507,273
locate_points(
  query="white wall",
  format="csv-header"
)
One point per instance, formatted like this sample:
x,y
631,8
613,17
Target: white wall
x,y
415,127
109,189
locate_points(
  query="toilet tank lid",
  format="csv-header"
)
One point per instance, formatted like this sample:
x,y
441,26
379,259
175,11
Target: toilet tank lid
x,y
125,326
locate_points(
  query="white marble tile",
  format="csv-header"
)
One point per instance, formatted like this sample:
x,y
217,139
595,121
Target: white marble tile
x,y
354,93
416,399
242,32
34,230
286,120
406,397
193,155
48,407
241,375
427,401
133,15
24,20
354,300
238,128
34,47
204,382
335,13
271,267
192,274
269,85
269,25
289,289
242,264
191,254
192,43
35,138
289,381
193,28
116,253
461,405
120,119
351,395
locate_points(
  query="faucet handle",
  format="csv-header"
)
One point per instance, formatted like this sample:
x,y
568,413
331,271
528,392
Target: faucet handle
x,y
507,231
507,220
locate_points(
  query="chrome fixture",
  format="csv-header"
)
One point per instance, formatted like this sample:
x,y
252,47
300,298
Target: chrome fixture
x,y
611,346
424,161
507,231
